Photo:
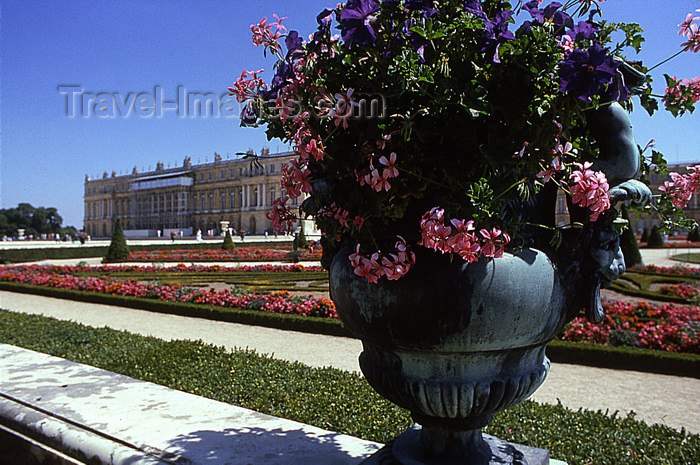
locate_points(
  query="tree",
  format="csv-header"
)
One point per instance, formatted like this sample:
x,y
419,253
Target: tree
x,y
118,250
694,234
656,238
300,240
628,243
34,221
645,235
228,242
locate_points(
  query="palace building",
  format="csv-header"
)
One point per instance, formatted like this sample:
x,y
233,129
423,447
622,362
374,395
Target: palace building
x,y
187,198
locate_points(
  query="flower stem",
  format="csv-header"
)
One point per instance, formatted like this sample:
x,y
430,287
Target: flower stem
x,y
664,61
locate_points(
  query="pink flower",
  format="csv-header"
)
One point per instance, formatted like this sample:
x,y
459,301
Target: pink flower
x,y
263,34
682,187
343,108
247,87
390,171
685,26
590,189
494,242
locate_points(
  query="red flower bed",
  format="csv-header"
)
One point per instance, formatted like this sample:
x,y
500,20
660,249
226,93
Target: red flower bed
x,y
679,270
240,253
276,302
684,290
180,267
669,327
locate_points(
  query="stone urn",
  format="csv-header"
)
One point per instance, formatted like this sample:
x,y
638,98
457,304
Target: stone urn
x,y
453,343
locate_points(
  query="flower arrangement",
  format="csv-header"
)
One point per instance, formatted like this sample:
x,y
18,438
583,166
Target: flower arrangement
x,y
424,124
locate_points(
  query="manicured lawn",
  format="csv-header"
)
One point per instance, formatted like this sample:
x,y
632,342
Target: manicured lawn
x,y
337,400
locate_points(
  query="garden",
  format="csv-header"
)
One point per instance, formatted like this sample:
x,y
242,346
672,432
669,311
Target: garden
x,y
336,400
672,325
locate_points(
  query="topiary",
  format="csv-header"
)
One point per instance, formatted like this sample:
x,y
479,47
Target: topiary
x,y
300,240
645,235
694,234
228,242
656,238
628,243
118,250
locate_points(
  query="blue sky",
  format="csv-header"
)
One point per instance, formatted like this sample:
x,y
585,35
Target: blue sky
x,y
198,46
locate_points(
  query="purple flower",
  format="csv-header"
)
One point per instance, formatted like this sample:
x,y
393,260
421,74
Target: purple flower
x,y
293,41
551,13
584,30
474,7
356,22
497,33
618,91
584,72
426,6
418,44
250,115
324,20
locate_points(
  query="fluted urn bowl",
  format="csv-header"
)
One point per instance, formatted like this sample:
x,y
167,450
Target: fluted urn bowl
x,y
453,342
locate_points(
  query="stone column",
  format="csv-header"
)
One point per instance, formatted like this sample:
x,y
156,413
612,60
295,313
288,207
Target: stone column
x,y
262,196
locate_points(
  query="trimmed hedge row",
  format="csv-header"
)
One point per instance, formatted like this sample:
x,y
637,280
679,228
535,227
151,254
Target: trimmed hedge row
x,y
625,358
335,400
30,255
622,289
209,312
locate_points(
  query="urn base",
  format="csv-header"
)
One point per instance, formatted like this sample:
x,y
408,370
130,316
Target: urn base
x,y
487,450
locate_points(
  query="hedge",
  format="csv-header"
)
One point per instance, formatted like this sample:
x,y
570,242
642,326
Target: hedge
x,y
626,358
209,312
335,400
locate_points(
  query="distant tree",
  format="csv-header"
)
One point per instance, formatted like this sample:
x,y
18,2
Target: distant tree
x,y
228,242
628,243
656,238
645,235
34,221
118,250
300,240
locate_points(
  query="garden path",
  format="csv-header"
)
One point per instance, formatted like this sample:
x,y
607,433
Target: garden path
x,y
655,398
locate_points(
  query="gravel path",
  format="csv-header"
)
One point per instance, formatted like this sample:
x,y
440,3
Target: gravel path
x,y
655,398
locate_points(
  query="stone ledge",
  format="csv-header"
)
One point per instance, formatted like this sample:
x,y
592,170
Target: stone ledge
x,y
57,412
95,416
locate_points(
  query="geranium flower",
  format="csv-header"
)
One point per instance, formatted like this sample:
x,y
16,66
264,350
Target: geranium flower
x,y
584,72
356,22
390,171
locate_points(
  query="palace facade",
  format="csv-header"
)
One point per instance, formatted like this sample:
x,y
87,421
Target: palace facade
x,y
187,198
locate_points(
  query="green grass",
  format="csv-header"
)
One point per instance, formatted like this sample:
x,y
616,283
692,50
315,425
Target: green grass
x,y
253,281
639,285
337,400
687,257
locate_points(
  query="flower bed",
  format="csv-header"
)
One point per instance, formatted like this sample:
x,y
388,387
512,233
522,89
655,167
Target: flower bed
x,y
238,254
667,327
683,290
276,302
180,267
675,270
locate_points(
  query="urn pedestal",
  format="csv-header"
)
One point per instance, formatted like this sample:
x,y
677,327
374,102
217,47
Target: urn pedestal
x,y
453,343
